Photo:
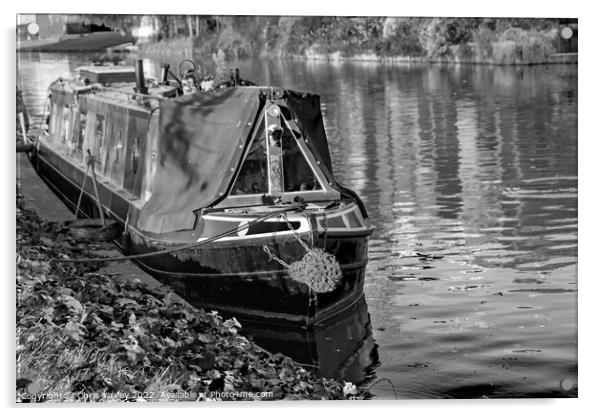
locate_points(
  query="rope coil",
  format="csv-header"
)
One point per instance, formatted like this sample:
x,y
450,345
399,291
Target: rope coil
x,y
317,269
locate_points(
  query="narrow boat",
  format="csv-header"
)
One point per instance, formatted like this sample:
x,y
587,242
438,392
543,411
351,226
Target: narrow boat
x,y
83,42
225,195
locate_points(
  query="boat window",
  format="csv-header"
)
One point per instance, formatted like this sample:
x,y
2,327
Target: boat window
x,y
81,132
253,176
66,124
118,145
135,154
298,175
99,136
52,119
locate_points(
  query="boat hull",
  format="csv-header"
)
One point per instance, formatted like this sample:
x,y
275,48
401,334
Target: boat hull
x,y
239,279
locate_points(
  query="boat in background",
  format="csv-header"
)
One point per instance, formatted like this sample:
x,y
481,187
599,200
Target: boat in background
x,y
65,33
76,43
221,194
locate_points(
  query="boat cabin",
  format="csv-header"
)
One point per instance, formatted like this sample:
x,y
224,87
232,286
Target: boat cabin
x,y
171,155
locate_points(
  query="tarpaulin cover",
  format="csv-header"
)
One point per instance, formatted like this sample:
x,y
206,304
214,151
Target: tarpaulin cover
x,y
305,107
201,141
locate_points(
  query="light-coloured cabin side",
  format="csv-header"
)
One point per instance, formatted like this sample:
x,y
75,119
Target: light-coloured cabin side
x,y
122,138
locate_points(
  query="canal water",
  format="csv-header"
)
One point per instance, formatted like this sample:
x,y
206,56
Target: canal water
x,y
469,174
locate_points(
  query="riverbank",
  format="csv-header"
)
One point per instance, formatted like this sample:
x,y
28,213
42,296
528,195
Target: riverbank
x,y
502,41
160,50
85,333
186,48
558,58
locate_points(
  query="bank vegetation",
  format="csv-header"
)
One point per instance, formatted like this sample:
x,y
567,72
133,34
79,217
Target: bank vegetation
x,y
474,40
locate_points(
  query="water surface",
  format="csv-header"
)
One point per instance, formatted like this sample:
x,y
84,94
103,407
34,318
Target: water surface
x,y
469,174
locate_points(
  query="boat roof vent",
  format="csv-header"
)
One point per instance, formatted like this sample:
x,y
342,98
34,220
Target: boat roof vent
x,y
108,74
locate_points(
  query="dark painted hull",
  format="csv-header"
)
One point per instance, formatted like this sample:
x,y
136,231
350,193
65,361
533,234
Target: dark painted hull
x,y
238,279
235,278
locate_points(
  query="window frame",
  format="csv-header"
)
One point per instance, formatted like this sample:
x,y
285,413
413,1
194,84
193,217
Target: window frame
x,y
80,139
317,172
247,150
99,152
326,193
65,135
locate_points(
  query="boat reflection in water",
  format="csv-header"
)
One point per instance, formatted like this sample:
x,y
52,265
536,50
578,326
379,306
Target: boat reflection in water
x,y
340,347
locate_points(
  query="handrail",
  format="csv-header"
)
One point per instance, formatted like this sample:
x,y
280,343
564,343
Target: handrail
x,y
195,244
137,94
99,87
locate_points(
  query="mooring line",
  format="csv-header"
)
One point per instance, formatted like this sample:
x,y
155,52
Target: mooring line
x,y
176,249
383,379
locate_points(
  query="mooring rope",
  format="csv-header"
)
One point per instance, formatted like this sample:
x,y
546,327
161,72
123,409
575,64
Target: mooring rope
x,y
380,380
241,227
